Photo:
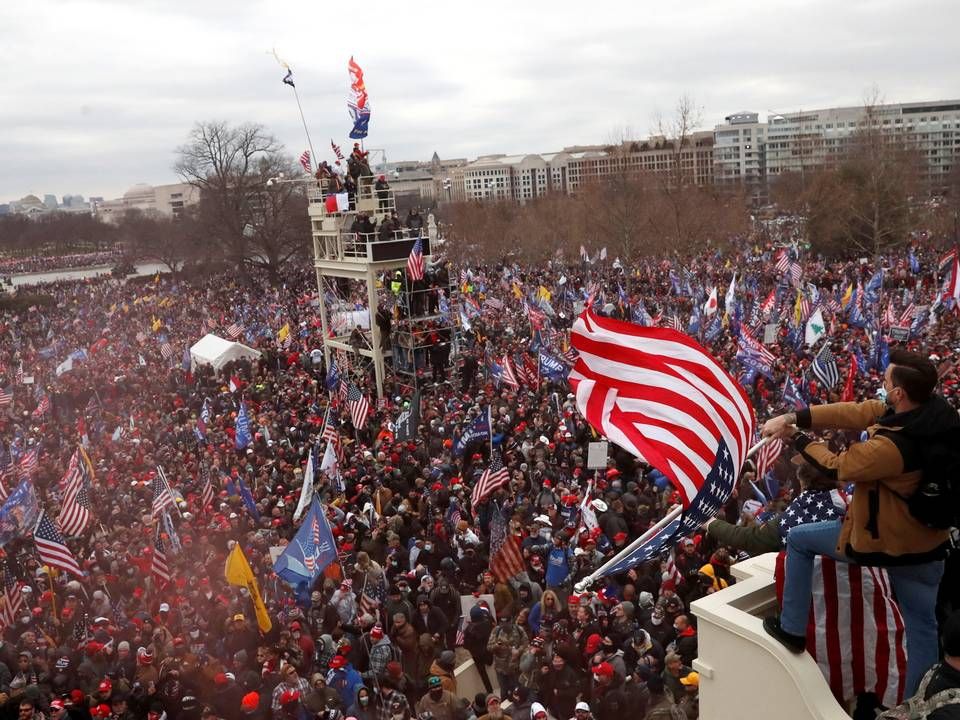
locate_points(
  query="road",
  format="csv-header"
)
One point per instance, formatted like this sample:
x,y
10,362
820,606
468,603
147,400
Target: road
x,y
80,273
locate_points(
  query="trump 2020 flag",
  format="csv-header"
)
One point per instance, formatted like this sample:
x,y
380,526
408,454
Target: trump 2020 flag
x,y
310,551
660,396
479,429
242,435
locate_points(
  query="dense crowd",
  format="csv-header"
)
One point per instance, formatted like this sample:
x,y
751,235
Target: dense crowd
x,y
48,263
121,642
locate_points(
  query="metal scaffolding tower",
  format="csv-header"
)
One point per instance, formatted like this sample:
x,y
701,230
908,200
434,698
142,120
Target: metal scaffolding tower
x,y
342,254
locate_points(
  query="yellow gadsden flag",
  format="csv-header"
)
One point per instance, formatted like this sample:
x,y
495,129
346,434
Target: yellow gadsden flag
x,y
284,333
238,572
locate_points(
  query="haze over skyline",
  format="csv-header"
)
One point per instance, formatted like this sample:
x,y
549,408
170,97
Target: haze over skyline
x,y
99,93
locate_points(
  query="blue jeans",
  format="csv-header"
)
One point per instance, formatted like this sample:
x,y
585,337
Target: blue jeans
x,y
915,587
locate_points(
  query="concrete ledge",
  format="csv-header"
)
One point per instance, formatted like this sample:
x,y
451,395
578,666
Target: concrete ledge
x,y
743,671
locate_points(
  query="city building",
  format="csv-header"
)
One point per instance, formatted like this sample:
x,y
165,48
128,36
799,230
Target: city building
x,y
162,200
756,153
738,151
523,177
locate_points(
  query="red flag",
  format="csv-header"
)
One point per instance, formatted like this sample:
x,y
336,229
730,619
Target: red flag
x,y
847,395
330,203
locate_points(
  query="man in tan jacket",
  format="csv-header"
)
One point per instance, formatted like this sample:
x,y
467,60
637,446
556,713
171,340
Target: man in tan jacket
x,y
878,529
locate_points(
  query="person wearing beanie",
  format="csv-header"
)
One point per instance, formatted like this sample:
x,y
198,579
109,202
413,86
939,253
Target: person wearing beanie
x,y
321,697
438,700
251,707
507,643
494,711
443,668
475,637
673,670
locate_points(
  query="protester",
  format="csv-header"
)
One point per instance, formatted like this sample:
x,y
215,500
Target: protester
x,y
105,366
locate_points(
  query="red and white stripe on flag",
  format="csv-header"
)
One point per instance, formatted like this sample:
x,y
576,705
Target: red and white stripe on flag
x,y
766,456
855,631
660,396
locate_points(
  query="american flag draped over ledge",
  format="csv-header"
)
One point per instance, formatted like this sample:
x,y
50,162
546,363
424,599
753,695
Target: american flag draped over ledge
x,y
659,395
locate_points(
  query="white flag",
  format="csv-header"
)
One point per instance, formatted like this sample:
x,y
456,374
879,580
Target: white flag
x,y
731,294
343,202
816,328
329,463
603,253
710,306
306,492
65,366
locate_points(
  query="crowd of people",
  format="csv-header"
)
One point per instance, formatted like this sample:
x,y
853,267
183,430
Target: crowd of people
x,y
46,263
420,583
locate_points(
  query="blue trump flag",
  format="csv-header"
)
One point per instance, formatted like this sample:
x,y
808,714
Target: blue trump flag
x,y
552,369
242,436
310,551
19,513
479,429
248,502
333,375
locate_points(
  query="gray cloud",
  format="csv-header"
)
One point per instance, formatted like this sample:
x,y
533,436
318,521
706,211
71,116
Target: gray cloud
x,y
97,94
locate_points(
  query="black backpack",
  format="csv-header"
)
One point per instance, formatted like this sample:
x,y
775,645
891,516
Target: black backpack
x,y
936,501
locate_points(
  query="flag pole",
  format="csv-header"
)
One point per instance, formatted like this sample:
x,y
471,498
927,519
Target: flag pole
x,y
653,530
314,159
666,520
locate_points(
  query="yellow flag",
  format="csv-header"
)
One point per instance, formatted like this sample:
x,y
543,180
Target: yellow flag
x,y
237,572
848,293
517,293
86,461
798,308
156,278
544,294
157,324
284,333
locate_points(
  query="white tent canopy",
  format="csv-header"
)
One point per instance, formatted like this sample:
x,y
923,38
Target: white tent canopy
x,y
214,350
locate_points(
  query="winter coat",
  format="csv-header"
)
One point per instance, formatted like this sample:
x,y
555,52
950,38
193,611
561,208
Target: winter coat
x,y
885,469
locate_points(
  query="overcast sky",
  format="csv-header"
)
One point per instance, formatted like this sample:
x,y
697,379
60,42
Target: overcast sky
x,y
97,94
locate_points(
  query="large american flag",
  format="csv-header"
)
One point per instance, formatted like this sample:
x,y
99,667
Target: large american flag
x,y
209,492
329,432
496,475
415,261
235,330
28,463
372,596
855,631
358,405
11,599
6,396
159,568
76,511
162,495
506,561
52,548
509,377
659,395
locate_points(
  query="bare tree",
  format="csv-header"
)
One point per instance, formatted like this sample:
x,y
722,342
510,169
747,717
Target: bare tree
x,y
258,223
